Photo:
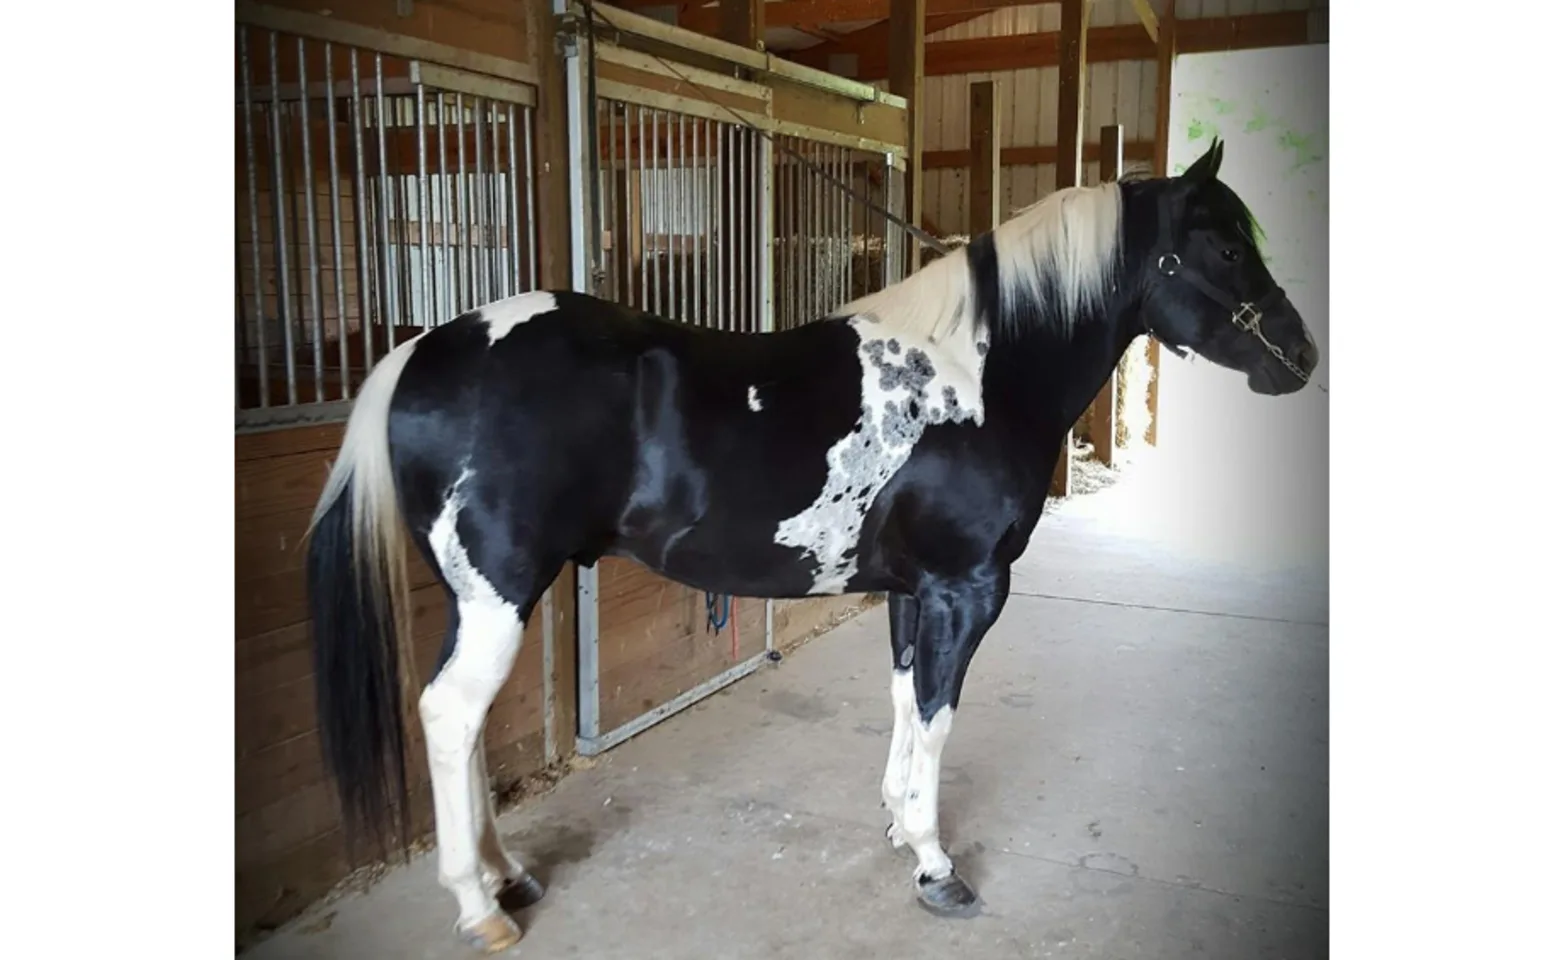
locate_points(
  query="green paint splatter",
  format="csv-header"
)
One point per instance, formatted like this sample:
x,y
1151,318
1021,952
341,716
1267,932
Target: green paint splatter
x,y
1200,130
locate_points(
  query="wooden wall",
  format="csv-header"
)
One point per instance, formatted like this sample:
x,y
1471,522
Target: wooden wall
x,y
287,845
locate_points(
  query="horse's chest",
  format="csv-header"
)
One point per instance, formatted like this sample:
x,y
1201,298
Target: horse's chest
x,y
905,389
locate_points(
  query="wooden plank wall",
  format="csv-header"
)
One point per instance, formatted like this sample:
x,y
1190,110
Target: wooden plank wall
x,y
288,846
1122,92
496,28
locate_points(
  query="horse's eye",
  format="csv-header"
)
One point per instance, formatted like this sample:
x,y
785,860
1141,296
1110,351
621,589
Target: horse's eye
x,y
1230,254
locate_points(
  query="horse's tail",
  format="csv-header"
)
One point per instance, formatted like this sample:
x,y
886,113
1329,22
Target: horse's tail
x,y
357,584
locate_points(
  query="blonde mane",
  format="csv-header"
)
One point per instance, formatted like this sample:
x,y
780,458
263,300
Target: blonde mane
x,y
1061,251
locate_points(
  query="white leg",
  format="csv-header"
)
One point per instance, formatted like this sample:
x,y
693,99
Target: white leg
x,y
453,708
893,789
920,819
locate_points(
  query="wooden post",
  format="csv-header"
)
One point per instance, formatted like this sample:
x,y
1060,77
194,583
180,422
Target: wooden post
x,y
1103,421
1072,109
743,22
983,132
906,80
1167,30
551,178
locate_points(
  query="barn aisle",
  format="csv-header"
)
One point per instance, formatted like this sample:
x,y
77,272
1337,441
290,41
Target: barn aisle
x,y
1139,768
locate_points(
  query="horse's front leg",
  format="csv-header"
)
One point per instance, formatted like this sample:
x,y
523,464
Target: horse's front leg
x,y
952,619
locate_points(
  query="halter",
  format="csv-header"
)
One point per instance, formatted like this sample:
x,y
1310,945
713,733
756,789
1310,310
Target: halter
x,y
1246,316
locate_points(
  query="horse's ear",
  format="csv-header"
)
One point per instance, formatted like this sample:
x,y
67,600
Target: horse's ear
x,y
1207,166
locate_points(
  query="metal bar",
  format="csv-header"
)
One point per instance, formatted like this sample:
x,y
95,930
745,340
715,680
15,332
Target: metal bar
x,y
640,179
336,235
532,244
310,233
278,238
757,240
596,744
732,234
677,279
713,193
666,207
464,225
577,112
255,223
447,259
515,199
496,185
766,248
480,200
361,217
725,225
425,220
655,196
390,314
616,241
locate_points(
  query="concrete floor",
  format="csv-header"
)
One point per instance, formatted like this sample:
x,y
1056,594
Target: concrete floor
x,y
1139,768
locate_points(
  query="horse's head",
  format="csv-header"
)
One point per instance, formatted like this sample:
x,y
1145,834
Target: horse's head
x,y
1209,290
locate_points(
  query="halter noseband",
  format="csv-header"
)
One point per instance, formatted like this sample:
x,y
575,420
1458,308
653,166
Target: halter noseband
x,y
1246,316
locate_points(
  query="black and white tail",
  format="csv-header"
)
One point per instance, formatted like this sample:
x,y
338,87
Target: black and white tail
x,y
357,572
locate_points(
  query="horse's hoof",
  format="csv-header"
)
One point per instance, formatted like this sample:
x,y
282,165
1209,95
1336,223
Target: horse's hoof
x,y
949,896
520,892
492,934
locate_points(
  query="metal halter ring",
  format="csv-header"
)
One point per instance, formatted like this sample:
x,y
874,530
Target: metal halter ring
x,y
1164,259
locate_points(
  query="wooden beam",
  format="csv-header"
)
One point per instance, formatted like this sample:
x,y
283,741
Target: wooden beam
x,y
1106,44
871,41
983,135
742,22
906,80
1148,17
552,187
1102,424
1067,169
1046,154
1168,44
814,13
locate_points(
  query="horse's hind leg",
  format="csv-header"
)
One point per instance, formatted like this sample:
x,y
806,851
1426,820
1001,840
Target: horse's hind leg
x,y
453,709
505,878
493,591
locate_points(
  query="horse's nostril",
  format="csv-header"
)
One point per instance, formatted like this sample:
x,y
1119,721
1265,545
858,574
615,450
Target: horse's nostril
x,y
1305,354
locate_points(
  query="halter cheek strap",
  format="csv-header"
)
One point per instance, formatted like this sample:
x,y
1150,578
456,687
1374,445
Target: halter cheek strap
x,y
1245,315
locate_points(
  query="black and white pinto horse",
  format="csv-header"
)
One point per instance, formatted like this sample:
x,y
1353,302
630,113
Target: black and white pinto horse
x,y
902,444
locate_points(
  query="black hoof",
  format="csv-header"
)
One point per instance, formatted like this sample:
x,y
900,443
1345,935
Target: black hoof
x,y
521,892
948,896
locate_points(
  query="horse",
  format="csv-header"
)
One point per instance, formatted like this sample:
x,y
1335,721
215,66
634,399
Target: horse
x,y
903,444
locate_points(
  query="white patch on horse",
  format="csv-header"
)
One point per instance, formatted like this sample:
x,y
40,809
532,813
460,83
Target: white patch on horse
x,y
453,708
754,399
503,316
898,764
920,817
908,385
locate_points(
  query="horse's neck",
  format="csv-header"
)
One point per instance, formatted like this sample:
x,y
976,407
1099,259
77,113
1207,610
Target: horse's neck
x,y
1042,381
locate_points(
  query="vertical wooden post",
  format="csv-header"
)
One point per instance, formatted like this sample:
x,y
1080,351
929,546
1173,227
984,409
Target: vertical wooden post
x,y
551,185
1167,30
1067,166
905,79
743,22
984,136
1103,421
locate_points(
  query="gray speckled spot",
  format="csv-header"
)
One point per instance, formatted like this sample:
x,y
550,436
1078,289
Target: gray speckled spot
x,y
903,393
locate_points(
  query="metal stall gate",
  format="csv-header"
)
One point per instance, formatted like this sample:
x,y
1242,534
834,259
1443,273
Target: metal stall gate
x,y
696,203
384,186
